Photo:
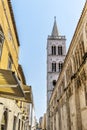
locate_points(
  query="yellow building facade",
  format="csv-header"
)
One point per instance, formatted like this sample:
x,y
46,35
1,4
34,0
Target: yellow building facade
x,y
10,43
16,100
68,103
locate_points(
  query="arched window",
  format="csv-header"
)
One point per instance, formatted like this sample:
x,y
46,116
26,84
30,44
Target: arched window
x,y
4,121
53,50
60,50
53,67
60,66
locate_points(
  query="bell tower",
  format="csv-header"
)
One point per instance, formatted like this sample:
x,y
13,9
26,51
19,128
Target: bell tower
x,y
56,52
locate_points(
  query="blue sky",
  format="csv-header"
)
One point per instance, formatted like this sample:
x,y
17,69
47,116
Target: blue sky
x,y
34,20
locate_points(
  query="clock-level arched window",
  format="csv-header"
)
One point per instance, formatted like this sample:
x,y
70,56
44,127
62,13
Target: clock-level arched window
x,y
1,40
53,50
60,50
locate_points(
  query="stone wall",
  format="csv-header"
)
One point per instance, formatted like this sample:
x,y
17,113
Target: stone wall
x,y
68,104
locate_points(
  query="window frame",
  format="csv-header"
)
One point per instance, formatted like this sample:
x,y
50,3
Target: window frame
x,y
53,66
53,49
1,40
60,66
10,62
60,50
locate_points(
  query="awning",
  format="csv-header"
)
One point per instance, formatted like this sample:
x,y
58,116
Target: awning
x,y
9,85
26,88
28,94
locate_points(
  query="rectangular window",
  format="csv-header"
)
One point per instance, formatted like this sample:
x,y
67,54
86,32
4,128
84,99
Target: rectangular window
x,y
1,41
9,63
0,50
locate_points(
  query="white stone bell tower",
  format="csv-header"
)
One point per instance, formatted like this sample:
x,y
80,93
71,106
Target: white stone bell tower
x,y
56,51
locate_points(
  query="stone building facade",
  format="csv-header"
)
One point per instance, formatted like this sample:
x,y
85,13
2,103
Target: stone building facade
x,y
16,98
44,122
68,103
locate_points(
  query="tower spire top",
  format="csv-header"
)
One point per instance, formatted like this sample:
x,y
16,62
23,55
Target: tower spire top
x,y
55,30
54,18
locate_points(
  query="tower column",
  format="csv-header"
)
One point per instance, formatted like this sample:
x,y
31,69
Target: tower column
x,y
56,51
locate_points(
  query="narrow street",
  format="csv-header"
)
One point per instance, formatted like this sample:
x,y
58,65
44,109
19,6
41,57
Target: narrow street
x,y
43,65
